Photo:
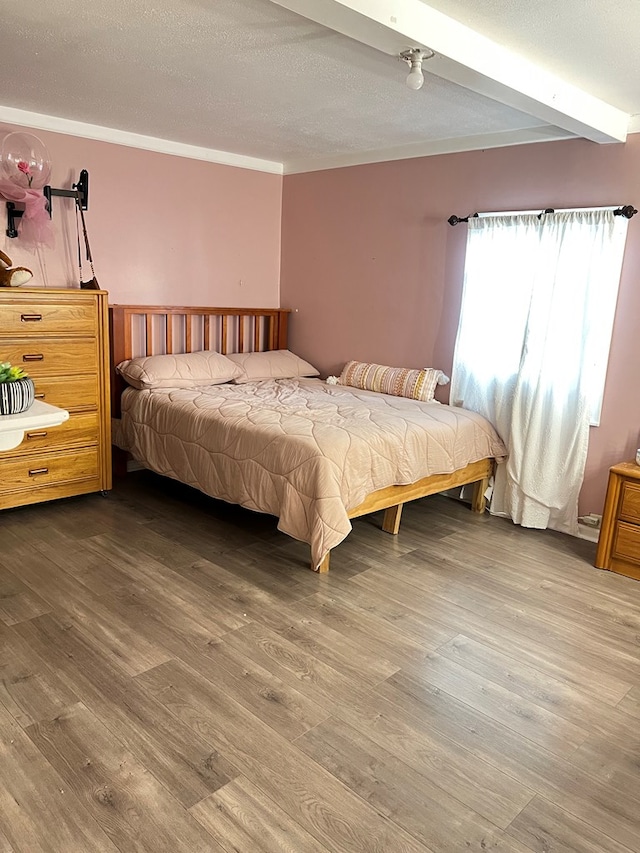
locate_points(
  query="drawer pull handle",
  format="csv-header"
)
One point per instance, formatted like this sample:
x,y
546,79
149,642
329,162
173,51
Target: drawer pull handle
x,y
42,434
30,318
37,356
39,396
34,471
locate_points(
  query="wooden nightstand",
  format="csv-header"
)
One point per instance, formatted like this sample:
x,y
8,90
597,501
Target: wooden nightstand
x,y
619,542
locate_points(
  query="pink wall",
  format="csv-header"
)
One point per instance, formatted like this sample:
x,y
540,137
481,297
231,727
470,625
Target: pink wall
x,y
368,260
375,272
163,229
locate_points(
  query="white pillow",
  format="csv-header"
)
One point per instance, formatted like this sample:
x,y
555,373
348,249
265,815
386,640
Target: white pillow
x,y
184,370
276,364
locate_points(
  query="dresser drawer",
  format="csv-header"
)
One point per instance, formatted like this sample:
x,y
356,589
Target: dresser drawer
x,y
80,430
44,357
630,502
627,542
75,393
43,469
23,316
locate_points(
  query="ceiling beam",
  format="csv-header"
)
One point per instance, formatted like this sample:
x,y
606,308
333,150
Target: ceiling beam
x,y
469,59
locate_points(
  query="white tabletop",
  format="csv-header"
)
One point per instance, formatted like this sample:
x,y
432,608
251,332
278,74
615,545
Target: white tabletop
x,y
37,416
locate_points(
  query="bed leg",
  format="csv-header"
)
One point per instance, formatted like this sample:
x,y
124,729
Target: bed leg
x,y
391,520
478,500
324,565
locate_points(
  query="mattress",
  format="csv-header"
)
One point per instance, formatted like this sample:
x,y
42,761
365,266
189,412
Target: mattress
x,y
299,449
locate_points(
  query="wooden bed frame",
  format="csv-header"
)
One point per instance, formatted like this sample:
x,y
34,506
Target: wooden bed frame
x,y
151,330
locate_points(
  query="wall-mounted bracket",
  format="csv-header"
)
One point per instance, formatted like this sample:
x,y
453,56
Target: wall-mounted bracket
x,y
12,215
78,190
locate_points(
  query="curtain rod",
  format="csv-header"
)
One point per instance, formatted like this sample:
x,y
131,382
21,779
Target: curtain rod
x,y
628,210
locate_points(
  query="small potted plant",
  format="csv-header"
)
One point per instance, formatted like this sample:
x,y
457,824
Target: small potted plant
x,y
16,390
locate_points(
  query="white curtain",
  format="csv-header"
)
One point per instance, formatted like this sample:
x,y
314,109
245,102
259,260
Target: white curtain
x,y
532,347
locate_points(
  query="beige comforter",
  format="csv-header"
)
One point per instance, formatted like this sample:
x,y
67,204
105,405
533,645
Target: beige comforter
x,y
299,449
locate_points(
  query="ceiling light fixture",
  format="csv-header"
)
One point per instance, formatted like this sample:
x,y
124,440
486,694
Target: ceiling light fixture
x,y
414,57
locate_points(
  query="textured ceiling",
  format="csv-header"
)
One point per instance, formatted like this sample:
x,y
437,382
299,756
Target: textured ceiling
x,y
592,44
250,77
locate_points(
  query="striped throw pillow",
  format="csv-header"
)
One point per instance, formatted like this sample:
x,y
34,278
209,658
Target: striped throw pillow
x,y
398,381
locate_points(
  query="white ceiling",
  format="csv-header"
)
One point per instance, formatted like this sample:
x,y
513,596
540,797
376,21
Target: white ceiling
x,y
254,78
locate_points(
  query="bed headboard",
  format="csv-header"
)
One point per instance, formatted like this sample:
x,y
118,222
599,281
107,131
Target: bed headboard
x,y
154,330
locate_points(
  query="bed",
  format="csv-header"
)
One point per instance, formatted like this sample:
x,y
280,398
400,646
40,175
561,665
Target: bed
x,y
312,454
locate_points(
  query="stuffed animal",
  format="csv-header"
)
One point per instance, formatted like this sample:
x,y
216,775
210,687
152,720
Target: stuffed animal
x,y
12,277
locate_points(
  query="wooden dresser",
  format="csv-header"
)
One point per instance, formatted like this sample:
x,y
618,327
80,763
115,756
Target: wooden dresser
x,y
619,542
60,338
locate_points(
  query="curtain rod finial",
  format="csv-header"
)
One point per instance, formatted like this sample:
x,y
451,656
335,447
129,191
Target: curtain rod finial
x,y
454,220
627,211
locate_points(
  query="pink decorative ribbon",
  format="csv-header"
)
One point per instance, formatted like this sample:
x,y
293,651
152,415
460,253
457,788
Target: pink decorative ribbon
x,y
35,228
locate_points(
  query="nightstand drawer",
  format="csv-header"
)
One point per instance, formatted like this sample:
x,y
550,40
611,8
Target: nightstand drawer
x,y
34,317
630,503
81,430
627,542
44,356
44,469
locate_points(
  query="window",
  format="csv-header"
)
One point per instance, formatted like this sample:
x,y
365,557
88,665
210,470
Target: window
x,y
542,283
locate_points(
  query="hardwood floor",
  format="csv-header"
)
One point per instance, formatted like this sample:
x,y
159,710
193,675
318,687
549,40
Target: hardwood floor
x,y
173,678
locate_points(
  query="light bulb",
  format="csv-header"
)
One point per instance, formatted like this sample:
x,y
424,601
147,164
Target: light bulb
x,y
414,57
415,78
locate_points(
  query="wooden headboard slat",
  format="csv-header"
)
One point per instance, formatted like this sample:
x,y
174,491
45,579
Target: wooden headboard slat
x,y
169,333
149,334
225,334
188,329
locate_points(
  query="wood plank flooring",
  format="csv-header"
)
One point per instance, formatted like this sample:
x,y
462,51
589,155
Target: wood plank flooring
x,y
173,678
